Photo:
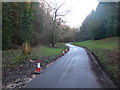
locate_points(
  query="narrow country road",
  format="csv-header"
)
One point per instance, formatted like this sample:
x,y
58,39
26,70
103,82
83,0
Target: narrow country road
x,y
73,70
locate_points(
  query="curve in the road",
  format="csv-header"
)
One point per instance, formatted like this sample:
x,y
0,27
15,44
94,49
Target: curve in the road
x,y
73,70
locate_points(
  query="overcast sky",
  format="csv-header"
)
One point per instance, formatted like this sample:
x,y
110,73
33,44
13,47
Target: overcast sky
x,y
79,10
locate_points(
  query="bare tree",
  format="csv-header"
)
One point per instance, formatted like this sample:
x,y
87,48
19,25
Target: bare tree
x,y
57,17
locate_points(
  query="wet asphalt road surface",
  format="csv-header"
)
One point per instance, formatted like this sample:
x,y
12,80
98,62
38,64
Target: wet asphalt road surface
x,y
73,70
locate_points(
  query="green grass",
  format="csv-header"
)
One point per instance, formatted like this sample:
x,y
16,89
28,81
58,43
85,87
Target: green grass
x,y
106,51
15,56
104,43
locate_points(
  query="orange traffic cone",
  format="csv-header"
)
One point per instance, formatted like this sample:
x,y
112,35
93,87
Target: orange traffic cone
x,y
38,69
63,53
66,51
31,60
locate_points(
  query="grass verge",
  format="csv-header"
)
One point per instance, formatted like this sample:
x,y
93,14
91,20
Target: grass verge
x,y
107,53
15,56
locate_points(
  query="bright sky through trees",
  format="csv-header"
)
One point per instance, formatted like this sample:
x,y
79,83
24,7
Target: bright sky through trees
x,y
79,10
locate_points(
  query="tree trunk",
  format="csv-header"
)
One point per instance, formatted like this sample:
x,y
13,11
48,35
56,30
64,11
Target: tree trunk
x,y
53,44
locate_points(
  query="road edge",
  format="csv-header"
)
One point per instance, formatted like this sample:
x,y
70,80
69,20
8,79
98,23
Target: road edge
x,y
98,67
